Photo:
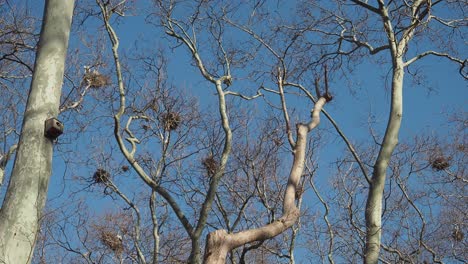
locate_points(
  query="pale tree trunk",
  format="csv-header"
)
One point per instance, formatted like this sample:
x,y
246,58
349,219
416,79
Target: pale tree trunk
x,y
27,189
374,200
373,211
418,14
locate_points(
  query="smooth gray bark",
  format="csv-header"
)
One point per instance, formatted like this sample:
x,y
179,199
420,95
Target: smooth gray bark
x,y
373,211
374,200
27,189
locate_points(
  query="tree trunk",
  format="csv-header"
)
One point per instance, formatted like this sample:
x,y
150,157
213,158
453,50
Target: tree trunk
x,y
27,189
374,200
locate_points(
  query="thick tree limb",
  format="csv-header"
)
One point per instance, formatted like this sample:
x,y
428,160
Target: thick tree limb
x,y
219,242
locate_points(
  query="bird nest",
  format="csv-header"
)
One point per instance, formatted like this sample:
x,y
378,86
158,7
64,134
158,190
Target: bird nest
x,y
101,176
458,235
112,241
299,191
440,163
210,164
96,80
170,120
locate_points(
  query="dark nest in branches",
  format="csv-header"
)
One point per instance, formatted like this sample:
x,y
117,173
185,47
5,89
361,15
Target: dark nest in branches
x,y
111,240
96,80
277,142
170,120
101,176
299,191
210,165
125,168
458,235
440,163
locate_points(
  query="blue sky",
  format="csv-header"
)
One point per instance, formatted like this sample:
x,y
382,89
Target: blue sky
x,y
426,107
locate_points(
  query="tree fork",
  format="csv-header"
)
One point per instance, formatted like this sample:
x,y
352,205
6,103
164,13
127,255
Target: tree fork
x,y
219,243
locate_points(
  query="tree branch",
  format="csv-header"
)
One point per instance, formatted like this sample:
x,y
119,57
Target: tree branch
x,y
348,143
438,54
367,6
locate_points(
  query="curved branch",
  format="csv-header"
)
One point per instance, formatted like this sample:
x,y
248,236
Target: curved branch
x,y
438,54
338,130
285,110
117,127
191,45
245,97
325,218
137,225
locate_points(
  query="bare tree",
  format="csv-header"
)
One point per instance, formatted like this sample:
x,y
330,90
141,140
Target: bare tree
x,y
217,70
182,173
220,82
400,23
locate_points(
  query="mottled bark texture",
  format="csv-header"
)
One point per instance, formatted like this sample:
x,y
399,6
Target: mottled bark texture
x,y
27,189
